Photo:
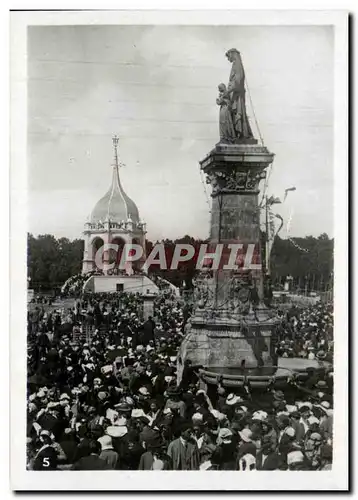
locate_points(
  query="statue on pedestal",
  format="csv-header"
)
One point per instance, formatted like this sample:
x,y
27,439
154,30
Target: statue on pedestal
x,y
235,96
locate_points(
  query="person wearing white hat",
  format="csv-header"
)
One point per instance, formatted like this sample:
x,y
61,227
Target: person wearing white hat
x,y
46,457
225,436
232,399
197,417
295,460
224,457
217,415
246,435
137,413
247,463
246,444
207,465
259,415
313,446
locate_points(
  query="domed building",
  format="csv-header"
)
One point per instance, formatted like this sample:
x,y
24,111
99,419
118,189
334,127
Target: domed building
x,y
114,222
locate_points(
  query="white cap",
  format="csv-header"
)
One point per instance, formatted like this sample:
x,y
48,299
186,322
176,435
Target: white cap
x,y
259,415
290,431
291,408
313,420
116,431
136,413
295,457
205,465
246,435
248,460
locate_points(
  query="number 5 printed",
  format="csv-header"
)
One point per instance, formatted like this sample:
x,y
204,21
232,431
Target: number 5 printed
x,y
46,462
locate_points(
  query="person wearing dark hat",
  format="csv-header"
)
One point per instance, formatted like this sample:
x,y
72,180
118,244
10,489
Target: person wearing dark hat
x,y
295,420
268,432
283,423
174,403
202,404
92,461
237,424
148,331
155,457
183,451
303,425
209,440
326,457
221,399
154,412
46,457
69,444
278,400
312,379
326,420
190,374
130,451
83,448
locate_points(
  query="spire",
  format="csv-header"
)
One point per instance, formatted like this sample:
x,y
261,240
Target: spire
x,y
116,183
115,205
115,140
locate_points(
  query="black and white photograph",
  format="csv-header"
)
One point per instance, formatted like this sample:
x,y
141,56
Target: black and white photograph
x,y
179,194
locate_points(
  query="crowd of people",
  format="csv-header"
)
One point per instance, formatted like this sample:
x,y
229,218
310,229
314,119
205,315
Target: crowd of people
x,y
113,403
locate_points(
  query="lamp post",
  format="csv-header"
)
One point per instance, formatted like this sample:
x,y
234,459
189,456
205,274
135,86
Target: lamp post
x,y
268,204
269,201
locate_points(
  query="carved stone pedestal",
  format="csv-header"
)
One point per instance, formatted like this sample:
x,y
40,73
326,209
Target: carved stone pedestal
x,y
231,328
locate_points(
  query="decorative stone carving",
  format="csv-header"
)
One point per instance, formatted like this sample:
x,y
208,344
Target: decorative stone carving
x,y
203,293
239,294
224,181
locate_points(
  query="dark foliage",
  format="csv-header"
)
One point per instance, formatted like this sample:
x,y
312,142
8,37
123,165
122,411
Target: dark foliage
x,y
52,261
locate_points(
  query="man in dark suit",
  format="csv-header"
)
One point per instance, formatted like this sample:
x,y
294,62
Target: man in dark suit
x,y
183,452
267,458
155,457
92,461
148,331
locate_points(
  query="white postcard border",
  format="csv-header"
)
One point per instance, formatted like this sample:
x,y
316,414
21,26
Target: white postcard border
x,y
337,479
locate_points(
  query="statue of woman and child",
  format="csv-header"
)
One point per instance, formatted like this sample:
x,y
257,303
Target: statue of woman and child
x,y
233,120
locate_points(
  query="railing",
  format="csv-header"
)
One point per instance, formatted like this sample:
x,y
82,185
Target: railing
x,y
256,381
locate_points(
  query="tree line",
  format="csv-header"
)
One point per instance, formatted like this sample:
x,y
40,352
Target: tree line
x,y
309,261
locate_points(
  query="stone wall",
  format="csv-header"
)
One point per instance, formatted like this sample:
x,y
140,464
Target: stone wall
x,y
131,284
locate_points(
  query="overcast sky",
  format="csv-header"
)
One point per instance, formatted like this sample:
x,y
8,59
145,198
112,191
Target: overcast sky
x,y
155,87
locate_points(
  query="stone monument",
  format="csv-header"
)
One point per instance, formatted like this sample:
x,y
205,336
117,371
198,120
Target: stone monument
x,y
230,330
115,223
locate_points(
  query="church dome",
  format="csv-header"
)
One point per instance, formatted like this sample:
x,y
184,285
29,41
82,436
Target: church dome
x,y
115,205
